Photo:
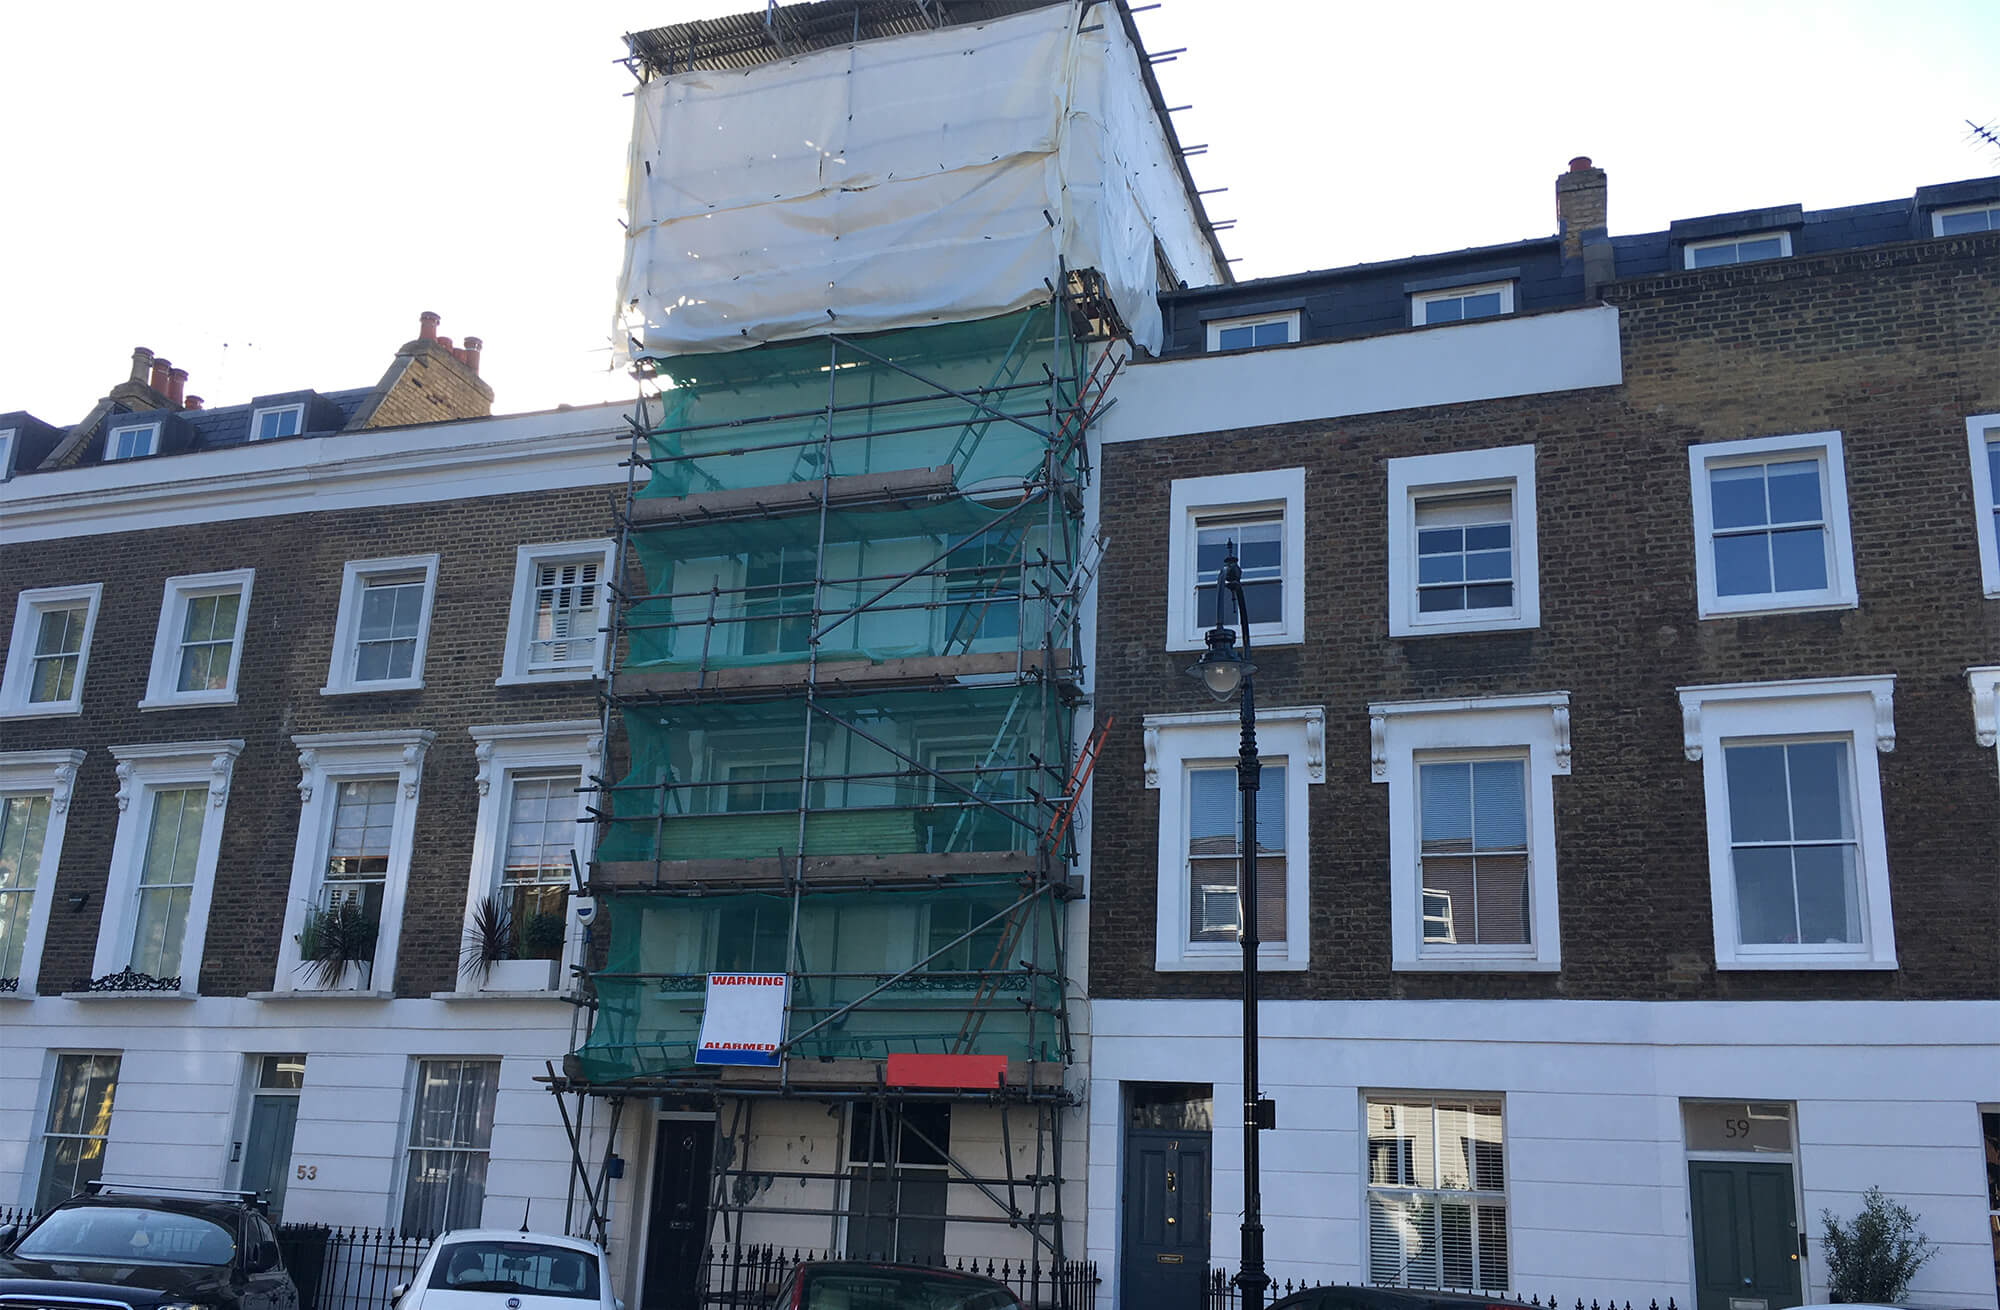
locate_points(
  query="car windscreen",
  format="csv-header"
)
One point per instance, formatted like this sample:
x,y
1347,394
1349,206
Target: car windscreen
x,y
128,1235
894,1289
524,1266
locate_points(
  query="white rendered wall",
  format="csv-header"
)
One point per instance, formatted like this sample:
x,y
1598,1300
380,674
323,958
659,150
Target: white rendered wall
x,y
1887,1095
1564,350
180,1073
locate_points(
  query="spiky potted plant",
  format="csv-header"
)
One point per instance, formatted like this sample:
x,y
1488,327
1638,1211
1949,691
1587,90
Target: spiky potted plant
x,y
337,947
497,958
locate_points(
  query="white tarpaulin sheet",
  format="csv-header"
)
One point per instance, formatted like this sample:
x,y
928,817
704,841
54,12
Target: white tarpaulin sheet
x,y
900,182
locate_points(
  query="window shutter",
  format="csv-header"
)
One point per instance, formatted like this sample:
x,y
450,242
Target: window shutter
x,y
565,613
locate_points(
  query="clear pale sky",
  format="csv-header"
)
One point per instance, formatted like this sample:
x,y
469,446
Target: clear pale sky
x,y
268,193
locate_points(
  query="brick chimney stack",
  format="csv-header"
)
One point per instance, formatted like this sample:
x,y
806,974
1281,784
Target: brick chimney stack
x,y
1583,222
431,380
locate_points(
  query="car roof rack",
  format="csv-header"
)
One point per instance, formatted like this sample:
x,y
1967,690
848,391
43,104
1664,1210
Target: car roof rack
x,y
103,1187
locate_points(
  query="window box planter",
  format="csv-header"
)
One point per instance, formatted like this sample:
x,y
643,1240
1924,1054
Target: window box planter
x,y
520,976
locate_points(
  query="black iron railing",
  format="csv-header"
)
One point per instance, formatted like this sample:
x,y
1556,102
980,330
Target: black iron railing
x,y
1223,1294
747,1277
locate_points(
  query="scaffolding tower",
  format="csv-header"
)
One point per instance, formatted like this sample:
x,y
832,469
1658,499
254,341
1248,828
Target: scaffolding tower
x,y
847,666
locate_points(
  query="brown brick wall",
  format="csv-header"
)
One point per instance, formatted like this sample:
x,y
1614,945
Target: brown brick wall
x,y
287,646
1894,348
429,387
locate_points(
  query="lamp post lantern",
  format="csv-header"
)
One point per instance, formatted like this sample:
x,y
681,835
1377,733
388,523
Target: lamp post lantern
x,y
1224,672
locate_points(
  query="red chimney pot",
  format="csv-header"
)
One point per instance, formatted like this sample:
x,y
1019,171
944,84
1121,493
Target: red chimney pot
x,y
1579,164
473,345
444,341
193,402
176,385
157,379
427,326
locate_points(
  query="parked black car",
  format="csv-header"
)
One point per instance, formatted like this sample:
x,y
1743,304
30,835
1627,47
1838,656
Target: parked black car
x,y
152,1249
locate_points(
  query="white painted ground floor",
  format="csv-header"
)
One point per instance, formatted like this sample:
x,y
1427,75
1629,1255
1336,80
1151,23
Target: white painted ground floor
x,y
419,1114
1584,1149
363,1110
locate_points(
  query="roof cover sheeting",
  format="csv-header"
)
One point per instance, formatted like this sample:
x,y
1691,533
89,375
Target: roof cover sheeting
x,y
899,182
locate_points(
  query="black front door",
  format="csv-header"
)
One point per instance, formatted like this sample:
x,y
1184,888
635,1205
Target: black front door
x,y
677,1230
1165,1251
1746,1235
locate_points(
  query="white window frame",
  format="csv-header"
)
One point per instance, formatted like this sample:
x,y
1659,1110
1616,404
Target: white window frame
x,y
257,417
1984,681
161,691
144,771
1463,473
326,759
19,675
51,774
399,1193
514,667
31,1179
1860,709
1839,592
152,431
6,453
503,751
1400,734
1292,735
1979,430
355,574
1410,1096
1277,491
1938,216
1421,301
1783,235
1214,327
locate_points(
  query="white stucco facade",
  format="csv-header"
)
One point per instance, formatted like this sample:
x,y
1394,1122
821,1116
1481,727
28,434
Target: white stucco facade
x,y
1884,1094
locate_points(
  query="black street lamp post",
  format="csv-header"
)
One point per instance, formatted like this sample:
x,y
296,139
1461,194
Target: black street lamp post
x,y
1225,672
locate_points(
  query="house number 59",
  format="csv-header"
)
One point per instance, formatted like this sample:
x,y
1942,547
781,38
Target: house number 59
x,y
308,1171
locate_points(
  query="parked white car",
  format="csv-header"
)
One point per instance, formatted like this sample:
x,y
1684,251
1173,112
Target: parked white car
x,y
494,1269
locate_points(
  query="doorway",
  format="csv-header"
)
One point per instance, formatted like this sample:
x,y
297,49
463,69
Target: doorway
x,y
677,1220
1165,1213
1743,1205
270,1121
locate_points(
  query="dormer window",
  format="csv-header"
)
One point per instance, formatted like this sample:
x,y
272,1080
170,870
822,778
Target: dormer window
x,y
1253,330
1961,219
132,441
277,421
1737,250
1455,304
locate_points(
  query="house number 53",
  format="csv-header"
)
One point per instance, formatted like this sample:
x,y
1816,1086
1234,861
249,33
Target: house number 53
x,y
308,1171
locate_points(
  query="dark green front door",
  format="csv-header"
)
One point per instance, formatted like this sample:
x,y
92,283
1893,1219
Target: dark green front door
x,y
1746,1235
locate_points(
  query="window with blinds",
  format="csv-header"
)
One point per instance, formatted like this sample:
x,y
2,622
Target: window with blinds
x,y
1437,1193
566,618
1214,854
357,861
1474,852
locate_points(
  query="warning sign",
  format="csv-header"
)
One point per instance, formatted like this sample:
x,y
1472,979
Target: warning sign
x,y
744,1020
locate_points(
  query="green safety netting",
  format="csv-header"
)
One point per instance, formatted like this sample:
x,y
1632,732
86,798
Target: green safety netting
x,y
735,774
979,996
945,578
756,418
